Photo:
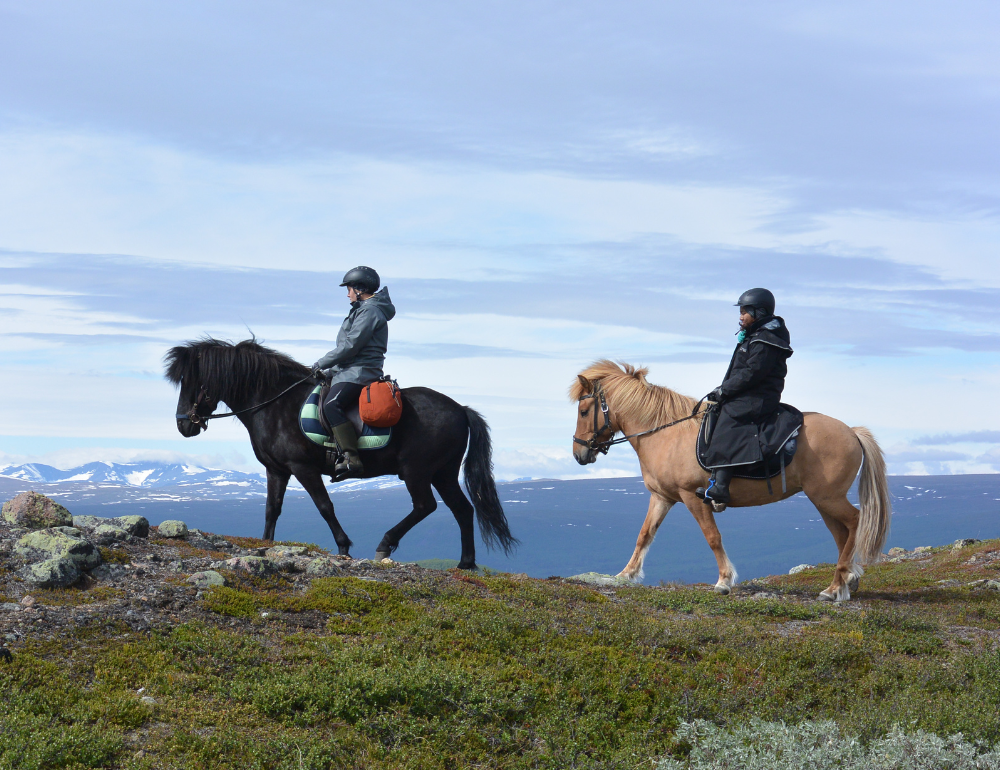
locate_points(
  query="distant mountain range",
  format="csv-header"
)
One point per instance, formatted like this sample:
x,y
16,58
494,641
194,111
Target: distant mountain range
x,y
179,478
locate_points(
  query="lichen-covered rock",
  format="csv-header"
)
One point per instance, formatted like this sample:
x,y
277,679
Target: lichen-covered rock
x,y
323,566
60,572
207,579
34,511
106,534
137,526
57,542
172,528
600,579
800,568
255,565
285,551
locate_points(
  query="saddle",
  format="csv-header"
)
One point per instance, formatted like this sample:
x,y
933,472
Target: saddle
x,y
314,426
777,435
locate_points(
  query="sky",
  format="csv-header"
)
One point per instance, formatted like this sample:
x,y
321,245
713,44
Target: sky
x,y
539,184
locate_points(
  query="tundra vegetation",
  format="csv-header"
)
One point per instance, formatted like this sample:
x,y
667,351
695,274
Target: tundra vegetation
x,y
394,666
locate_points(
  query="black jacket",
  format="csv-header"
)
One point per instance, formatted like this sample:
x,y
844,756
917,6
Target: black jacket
x,y
756,375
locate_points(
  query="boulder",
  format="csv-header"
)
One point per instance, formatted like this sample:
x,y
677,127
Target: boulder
x,y
60,572
137,526
105,534
172,528
323,566
897,551
964,543
284,551
255,565
207,579
600,579
923,549
34,511
800,568
57,542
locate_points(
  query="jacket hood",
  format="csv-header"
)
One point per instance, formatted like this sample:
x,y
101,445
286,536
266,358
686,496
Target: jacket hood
x,y
380,299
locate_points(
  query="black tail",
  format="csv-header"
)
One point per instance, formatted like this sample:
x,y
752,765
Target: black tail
x,y
482,489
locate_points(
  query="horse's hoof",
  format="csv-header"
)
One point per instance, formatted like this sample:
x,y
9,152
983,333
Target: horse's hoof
x,y
471,567
723,590
826,596
835,596
382,555
853,584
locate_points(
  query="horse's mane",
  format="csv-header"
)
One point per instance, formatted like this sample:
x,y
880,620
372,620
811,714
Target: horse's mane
x,y
232,372
631,395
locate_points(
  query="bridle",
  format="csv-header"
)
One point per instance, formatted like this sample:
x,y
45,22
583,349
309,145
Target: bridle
x,y
202,419
594,445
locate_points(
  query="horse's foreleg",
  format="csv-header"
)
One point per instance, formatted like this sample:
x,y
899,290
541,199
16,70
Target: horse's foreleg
x,y
312,481
658,508
277,482
706,520
424,505
841,518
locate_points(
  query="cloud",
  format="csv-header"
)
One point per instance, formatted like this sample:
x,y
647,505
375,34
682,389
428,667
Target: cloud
x,y
971,437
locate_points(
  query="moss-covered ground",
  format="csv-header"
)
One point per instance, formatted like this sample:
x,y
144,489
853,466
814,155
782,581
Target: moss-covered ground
x,y
449,670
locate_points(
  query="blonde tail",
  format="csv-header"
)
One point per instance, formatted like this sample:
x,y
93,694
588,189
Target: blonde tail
x,y
874,500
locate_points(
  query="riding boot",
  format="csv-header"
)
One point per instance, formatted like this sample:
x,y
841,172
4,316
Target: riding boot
x,y
350,461
718,487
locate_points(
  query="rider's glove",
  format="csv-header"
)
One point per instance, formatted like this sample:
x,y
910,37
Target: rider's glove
x,y
318,373
715,395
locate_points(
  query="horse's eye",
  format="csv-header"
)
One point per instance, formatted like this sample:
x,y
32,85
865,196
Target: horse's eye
x,y
585,412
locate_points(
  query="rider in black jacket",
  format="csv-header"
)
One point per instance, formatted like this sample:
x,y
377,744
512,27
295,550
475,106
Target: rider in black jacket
x,y
750,392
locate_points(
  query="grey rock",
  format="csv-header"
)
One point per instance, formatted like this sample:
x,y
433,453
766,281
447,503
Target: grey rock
x,y
105,534
255,565
600,579
149,700
948,583
172,528
56,542
284,551
10,606
922,549
964,543
60,572
206,579
800,568
34,511
323,566
137,526
897,551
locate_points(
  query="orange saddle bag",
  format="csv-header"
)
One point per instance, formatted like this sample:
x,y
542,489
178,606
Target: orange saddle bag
x,y
381,403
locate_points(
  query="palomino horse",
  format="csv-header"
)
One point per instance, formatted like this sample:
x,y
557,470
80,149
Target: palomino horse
x,y
616,398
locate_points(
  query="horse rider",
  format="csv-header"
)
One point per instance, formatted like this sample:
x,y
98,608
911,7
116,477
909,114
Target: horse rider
x,y
749,394
356,361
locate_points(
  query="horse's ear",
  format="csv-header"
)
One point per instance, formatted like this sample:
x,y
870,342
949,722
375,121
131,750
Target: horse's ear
x,y
584,383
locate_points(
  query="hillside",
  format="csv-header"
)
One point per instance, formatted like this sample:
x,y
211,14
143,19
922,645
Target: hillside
x,y
395,666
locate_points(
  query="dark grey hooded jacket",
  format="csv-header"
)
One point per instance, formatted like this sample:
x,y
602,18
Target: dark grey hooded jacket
x,y
362,341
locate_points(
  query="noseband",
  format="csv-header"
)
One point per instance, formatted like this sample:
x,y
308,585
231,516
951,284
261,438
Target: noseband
x,y
192,413
593,444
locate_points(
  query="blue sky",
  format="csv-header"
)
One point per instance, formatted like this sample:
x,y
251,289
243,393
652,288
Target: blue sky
x,y
540,184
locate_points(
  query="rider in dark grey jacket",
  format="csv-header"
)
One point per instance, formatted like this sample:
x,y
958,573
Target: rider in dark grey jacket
x,y
356,361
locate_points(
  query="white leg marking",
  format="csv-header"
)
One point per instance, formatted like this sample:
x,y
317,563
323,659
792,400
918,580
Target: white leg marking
x,y
727,581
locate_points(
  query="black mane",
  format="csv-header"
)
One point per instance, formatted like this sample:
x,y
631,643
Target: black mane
x,y
234,373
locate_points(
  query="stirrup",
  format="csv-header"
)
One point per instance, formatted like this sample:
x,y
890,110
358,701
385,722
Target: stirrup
x,y
345,469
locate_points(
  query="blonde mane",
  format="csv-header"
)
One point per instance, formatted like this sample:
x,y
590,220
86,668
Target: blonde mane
x,y
631,396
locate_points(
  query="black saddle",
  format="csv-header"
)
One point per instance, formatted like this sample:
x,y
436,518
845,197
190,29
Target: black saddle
x,y
777,435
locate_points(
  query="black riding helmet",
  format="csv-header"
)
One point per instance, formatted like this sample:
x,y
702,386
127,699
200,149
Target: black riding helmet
x,y
362,278
760,300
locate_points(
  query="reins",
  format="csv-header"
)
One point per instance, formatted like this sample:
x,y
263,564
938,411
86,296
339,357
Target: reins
x,y
604,446
199,419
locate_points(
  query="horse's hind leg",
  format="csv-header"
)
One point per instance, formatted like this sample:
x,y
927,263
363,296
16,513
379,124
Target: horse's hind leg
x,y
277,482
424,505
706,520
841,518
658,509
446,483
312,481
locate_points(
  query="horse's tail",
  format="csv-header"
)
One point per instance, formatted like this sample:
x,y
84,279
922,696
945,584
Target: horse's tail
x,y
874,499
482,489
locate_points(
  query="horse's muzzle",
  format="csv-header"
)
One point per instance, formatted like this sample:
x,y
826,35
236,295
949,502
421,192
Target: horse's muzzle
x,y
188,428
584,455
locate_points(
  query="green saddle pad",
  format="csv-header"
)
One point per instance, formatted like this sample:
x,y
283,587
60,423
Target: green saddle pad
x,y
370,438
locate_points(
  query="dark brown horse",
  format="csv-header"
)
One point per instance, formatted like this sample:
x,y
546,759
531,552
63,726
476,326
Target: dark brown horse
x,y
427,447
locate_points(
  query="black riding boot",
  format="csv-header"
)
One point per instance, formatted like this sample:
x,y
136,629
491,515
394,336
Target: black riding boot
x,y
350,462
718,487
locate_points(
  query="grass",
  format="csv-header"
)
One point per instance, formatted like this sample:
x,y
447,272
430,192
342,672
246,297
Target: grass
x,y
455,670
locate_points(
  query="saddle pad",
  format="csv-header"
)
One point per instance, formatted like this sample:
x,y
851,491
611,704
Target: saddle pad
x,y
369,438
778,444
